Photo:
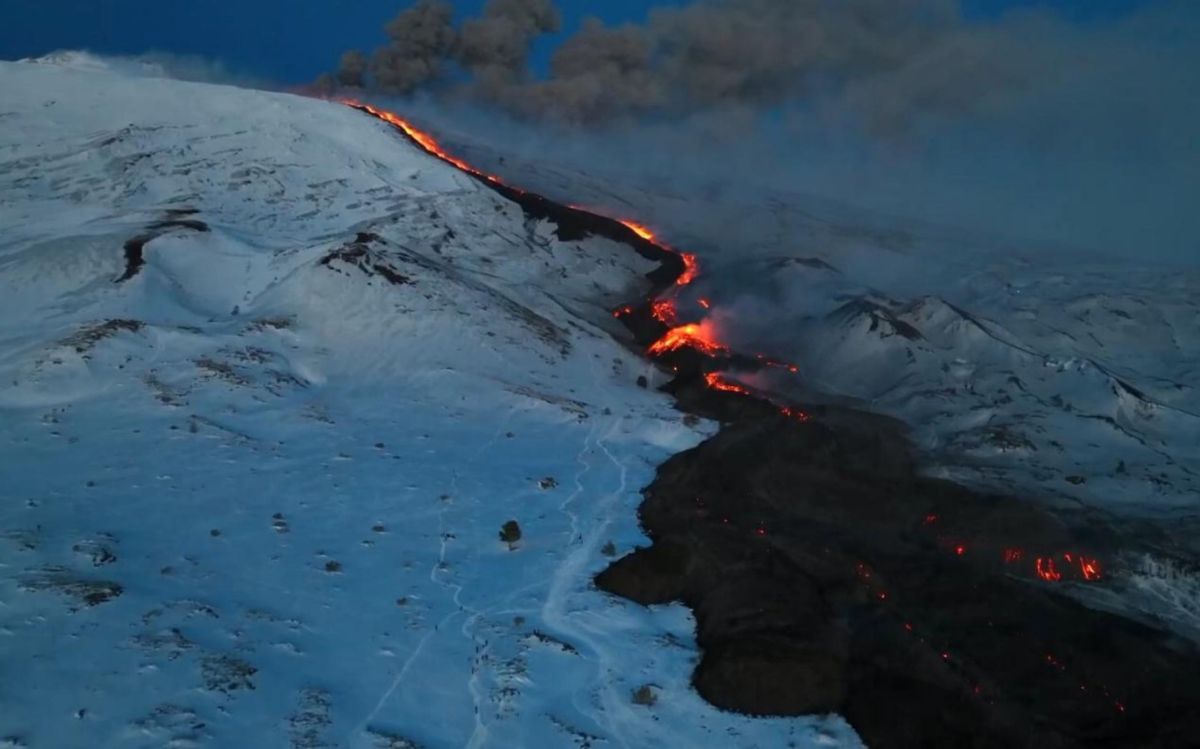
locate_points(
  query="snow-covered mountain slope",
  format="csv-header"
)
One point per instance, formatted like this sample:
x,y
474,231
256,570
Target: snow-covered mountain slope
x,y
271,381
1065,375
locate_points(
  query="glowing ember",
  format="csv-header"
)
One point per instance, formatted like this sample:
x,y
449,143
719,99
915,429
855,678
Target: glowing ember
x,y
1090,568
625,311
717,382
1046,570
663,310
704,303
1013,555
795,413
692,335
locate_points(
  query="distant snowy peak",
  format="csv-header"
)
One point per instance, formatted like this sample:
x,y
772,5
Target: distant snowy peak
x,y
74,59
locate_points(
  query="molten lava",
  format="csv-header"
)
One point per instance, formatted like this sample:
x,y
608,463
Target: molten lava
x,y
422,139
639,230
1090,568
693,335
699,336
1047,571
717,382
691,269
1045,568
664,311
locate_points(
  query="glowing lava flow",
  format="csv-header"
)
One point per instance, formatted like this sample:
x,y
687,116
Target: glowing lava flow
x,y
422,139
699,336
692,335
664,311
717,382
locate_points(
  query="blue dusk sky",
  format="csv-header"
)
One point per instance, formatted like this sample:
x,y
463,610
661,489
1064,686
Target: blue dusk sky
x,y
291,41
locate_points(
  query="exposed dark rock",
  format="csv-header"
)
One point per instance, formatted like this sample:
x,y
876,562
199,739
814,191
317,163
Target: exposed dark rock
x,y
227,674
135,248
882,320
359,254
827,576
84,340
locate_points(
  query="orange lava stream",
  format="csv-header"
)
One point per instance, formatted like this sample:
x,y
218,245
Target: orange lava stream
x,y
691,269
692,335
639,230
423,139
717,382
699,336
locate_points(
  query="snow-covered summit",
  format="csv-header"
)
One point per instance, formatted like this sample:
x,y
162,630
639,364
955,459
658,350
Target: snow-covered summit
x,y
75,59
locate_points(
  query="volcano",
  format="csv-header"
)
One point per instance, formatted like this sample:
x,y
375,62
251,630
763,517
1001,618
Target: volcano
x,y
807,548
271,471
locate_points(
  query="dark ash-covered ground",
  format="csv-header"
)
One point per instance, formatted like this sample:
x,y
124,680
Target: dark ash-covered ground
x,y
827,576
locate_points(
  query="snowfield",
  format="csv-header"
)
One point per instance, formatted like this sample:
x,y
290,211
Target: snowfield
x,y
271,381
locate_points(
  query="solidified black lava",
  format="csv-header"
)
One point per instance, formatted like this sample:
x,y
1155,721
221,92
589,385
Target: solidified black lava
x,y
135,248
358,254
134,256
827,576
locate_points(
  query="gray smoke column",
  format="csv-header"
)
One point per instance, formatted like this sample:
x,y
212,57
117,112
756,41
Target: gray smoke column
x,y
494,48
598,75
881,58
352,70
420,40
1025,124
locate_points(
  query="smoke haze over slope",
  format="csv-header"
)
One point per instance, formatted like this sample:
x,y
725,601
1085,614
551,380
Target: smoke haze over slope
x,y
1027,124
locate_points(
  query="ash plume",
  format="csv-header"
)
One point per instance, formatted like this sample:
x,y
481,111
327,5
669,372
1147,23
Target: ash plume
x,y
352,69
494,48
880,56
595,76
1028,123
420,39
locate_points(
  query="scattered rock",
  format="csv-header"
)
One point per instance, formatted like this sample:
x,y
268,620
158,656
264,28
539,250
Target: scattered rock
x,y
645,696
226,673
510,533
